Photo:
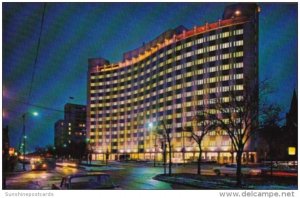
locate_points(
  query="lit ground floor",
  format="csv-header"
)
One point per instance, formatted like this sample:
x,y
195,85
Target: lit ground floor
x,y
179,157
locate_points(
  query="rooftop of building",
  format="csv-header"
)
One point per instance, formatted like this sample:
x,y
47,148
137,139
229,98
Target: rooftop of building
x,y
233,14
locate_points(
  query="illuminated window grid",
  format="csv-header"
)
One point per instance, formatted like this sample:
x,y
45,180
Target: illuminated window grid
x,y
210,80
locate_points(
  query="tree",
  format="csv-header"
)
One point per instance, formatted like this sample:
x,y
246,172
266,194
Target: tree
x,y
238,116
162,129
239,113
201,126
271,133
166,134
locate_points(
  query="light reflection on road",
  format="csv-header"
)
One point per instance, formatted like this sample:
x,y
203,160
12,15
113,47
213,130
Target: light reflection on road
x,y
130,177
38,179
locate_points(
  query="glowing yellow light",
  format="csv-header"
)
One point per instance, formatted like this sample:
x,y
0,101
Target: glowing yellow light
x,y
11,151
237,13
292,151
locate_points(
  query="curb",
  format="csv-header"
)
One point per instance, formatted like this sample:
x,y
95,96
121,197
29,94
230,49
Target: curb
x,y
197,183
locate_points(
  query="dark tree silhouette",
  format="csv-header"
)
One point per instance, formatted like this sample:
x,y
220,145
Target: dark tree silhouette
x,y
201,126
271,133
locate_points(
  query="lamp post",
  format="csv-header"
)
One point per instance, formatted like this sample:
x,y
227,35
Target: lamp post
x,y
155,150
183,146
24,142
150,126
25,137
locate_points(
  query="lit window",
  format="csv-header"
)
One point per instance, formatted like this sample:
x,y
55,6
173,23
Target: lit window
x,y
225,34
200,92
225,56
200,61
238,32
212,80
200,51
189,44
238,43
239,87
178,57
212,48
239,65
178,67
200,41
225,78
212,58
212,37
225,67
189,54
178,47
189,64
200,82
225,99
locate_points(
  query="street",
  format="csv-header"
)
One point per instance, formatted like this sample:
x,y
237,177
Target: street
x,y
37,179
129,176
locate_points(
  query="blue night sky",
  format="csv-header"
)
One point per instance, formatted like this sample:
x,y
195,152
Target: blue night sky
x,y
74,32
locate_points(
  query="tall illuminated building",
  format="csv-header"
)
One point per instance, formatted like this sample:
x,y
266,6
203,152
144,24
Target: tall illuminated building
x,y
170,78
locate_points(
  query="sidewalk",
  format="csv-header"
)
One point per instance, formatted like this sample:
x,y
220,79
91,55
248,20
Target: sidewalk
x,y
220,183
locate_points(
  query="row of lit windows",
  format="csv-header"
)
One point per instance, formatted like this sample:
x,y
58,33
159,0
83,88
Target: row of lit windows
x,y
109,131
170,98
170,70
148,104
168,89
188,54
188,74
162,109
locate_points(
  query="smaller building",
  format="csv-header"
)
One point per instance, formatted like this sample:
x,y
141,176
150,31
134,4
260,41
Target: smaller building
x,y
70,133
59,136
280,143
291,129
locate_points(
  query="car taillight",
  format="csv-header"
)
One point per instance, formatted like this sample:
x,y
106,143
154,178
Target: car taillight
x,y
44,165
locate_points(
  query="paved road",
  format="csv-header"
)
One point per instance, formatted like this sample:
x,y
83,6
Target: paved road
x,y
129,176
37,179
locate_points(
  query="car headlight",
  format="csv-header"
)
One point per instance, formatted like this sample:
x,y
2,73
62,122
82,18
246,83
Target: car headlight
x,y
44,165
32,166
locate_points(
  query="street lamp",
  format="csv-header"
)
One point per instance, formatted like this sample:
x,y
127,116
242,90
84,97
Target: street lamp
x,y
150,126
25,137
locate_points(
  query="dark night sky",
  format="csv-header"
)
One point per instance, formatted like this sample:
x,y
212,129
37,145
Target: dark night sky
x,y
74,32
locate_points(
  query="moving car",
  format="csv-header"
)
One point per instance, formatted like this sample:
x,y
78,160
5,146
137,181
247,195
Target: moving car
x,y
230,169
86,181
38,165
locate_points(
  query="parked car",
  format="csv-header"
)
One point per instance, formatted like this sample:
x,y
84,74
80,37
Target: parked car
x,y
230,169
39,165
86,181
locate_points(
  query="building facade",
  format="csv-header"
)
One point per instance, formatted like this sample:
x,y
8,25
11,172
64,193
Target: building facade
x,y
170,79
59,134
70,133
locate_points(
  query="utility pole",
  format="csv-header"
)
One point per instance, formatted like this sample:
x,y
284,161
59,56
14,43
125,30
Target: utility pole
x,y
24,141
164,147
155,148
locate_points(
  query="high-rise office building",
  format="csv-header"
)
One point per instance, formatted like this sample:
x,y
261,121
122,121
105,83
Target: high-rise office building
x,y
170,78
